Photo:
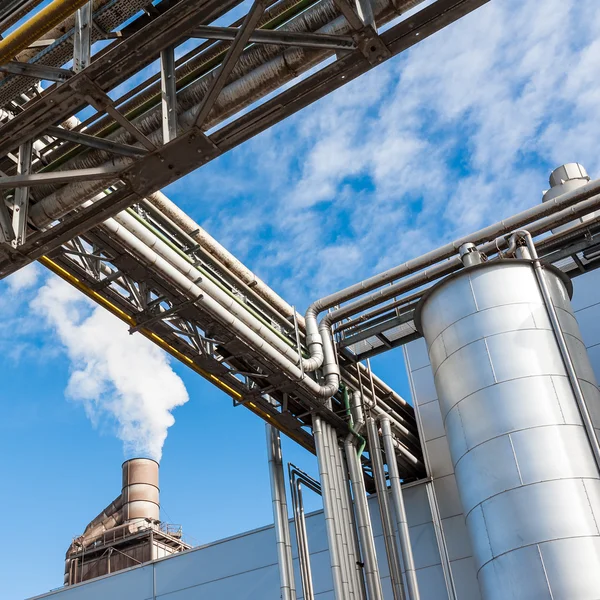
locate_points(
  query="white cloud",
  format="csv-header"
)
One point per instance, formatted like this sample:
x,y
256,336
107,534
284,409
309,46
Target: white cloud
x,y
24,278
461,131
114,375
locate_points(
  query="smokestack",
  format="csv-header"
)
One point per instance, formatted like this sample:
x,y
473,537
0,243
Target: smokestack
x,y
140,492
127,532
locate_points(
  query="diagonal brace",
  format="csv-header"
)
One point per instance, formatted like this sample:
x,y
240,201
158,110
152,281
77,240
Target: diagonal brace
x,y
95,142
235,50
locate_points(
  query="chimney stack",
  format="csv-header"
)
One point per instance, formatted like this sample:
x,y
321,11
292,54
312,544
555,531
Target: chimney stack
x,y
140,492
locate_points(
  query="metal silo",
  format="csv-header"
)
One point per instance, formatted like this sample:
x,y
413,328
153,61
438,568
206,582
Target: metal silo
x,y
527,475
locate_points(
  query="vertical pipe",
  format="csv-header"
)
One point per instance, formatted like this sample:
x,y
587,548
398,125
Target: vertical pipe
x,y
336,570
441,541
407,555
562,346
339,517
302,539
280,514
363,519
345,518
358,566
384,510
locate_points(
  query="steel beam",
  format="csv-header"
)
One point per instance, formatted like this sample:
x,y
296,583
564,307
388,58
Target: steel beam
x,y
36,71
95,142
82,43
224,71
190,150
168,94
21,201
15,181
279,38
112,68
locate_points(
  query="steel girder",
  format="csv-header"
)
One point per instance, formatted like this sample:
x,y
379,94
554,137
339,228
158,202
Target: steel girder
x,y
166,163
140,296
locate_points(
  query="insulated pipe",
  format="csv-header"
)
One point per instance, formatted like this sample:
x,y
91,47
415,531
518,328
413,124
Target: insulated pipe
x,y
339,521
191,272
412,586
357,411
247,333
384,510
358,566
186,269
36,27
280,514
266,76
486,234
346,522
219,252
336,569
363,520
561,341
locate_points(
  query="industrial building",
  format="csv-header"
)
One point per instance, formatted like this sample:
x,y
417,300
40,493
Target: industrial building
x,y
485,486
504,443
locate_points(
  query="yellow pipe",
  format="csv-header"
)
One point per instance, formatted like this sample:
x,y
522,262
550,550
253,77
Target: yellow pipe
x,y
39,24
115,310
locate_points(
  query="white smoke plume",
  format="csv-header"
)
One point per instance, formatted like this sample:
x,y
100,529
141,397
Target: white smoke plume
x,y
114,375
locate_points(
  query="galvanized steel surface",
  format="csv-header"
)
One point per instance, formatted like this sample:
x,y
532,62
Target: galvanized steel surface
x,y
528,482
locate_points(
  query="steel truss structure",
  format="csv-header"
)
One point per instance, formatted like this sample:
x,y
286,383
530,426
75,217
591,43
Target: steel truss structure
x,y
81,197
62,178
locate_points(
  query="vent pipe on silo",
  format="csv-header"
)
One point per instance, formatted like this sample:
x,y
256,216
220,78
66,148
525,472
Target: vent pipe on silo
x,y
564,179
140,492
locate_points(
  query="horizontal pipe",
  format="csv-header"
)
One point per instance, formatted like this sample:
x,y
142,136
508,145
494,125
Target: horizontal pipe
x,y
254,334
213,248
36,27
487,234
453,264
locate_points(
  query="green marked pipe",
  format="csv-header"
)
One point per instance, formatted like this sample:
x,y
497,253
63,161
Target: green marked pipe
x,y
360,438
166,240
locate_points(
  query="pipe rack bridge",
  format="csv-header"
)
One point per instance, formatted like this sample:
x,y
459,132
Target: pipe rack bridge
x,y
81,196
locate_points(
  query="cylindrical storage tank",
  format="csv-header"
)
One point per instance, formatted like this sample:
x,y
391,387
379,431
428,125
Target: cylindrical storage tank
x,y
528,481
140,490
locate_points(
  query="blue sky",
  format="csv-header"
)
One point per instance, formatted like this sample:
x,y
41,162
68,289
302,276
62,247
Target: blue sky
x,y
460,131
